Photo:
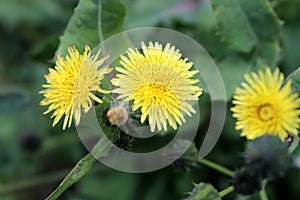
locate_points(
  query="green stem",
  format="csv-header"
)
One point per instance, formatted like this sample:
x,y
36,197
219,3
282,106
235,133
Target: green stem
x,y
101,149
79,171
226,191
263,194
215,166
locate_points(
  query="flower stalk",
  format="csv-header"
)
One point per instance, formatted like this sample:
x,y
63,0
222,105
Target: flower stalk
x,y
226,191
101,149
263,194
215,166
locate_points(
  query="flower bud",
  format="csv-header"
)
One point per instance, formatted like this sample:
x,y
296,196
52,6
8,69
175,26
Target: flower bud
x,y
117,115
122,140
268,156
246,181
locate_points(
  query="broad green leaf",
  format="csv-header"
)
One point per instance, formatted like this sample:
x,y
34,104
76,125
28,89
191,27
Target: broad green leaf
x,y
232,70
204,191
233,25
112,15
92,22
267,54
262,18
290,49
143,13
244,25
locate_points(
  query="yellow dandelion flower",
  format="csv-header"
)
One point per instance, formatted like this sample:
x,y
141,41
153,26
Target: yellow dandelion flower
x,y
159,82
70,85
264,106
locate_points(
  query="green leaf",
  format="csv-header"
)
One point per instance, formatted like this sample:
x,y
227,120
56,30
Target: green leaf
x,y
267,54
245,25
262,18
92,22
290,50
143,13
295,78
213,45
204,191
233,25
112,15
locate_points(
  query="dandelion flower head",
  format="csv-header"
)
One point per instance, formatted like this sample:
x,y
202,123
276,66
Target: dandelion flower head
x,y
70,85
160,82
263,105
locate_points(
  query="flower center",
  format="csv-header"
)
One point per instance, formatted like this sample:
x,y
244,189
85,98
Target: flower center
x,y
157,93
265,112
83,85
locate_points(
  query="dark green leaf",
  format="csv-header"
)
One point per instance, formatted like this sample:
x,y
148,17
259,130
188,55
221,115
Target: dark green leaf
x,y
233,25
262,18
144,13
290,50
92,22
112,15
245,25
267,54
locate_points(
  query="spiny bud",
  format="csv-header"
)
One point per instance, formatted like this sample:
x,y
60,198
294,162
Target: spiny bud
x,y
246,181
268,156
117,115
123,141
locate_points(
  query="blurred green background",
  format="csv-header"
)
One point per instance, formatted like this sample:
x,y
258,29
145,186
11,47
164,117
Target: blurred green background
x,y
34,157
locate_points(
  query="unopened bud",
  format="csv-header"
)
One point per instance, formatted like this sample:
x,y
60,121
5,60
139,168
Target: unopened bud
x,y
246,181
117,115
